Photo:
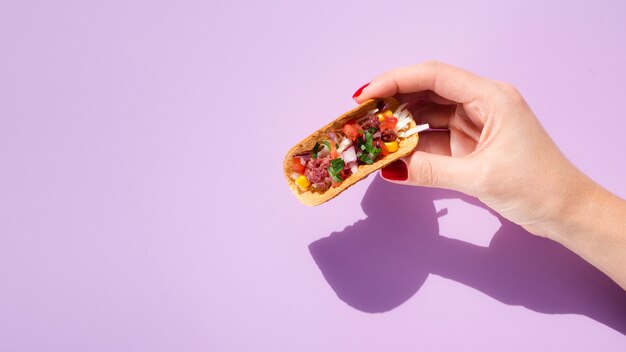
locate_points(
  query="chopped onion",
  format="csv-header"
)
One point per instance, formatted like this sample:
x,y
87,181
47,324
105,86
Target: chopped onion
x,y
353,166
295,175
344,144
349,155
332,136
398,110
304,157
421,128
414,130
402,124
404,120
369,113
323,152
308,152
377,135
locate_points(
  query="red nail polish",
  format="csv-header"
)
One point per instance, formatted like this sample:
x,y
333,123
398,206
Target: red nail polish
x,y
396,171
359,91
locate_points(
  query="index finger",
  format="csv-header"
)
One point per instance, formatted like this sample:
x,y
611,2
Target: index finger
x,y
447,81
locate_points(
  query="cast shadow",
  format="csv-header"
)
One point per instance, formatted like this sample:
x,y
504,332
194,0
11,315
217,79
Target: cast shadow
x,y
380,262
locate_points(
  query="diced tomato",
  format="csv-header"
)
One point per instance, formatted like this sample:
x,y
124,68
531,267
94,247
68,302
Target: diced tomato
x,y
351,130
344,174
389,123
333,150
297,166
383,149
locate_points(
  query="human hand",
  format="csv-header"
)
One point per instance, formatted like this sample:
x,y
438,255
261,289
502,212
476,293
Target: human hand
x,y
490,145
493,147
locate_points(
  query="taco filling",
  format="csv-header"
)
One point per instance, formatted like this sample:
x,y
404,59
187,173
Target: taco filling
x,y
361,141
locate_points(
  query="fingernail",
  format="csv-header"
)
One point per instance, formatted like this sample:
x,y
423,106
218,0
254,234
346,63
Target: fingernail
x,y
396,171
360,90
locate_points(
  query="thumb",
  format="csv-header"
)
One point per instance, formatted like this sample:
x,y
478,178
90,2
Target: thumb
x,y
431,170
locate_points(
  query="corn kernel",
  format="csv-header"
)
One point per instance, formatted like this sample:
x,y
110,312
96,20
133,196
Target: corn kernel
x,y
302,182
384,114
391,146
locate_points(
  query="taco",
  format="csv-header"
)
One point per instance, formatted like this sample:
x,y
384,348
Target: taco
x,y
345,151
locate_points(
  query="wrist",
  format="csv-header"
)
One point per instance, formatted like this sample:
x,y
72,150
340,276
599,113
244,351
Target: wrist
x,y
593,217
593,227
575,211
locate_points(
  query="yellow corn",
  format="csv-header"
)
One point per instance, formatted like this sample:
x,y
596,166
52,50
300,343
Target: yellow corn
x,y
391,146
383,115
302,182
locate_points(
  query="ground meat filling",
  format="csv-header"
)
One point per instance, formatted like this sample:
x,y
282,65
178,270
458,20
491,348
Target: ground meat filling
x,y
368,141
389,136
371,121
317,173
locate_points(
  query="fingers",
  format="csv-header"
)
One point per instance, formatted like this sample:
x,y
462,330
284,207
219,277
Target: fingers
x,y
448,82
436,88
434,142
450,143
461,144
436,116
422,98
432,170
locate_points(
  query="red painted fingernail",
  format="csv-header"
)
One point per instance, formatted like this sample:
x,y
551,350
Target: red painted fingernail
x,y
396,171
359,91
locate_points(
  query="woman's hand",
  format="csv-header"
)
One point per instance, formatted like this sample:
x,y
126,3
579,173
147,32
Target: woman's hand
x,y
491,145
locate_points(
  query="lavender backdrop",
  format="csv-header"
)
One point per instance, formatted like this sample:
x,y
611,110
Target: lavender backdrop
x,y
143,207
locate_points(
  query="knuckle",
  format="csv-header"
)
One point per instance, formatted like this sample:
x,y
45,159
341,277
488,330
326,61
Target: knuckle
x,y
433,63
510,91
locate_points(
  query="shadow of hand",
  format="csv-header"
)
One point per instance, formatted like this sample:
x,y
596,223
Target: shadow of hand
x,y
380,262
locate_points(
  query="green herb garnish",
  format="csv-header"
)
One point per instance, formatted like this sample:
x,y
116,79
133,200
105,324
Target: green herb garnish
x,y
370,152
327,144
336,165
316,149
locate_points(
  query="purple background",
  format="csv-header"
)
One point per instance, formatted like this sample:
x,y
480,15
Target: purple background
x,y
143,206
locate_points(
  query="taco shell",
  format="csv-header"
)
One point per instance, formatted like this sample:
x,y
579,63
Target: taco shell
x,y
310,198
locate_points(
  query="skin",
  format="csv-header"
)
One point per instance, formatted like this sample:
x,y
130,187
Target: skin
x,y
494,148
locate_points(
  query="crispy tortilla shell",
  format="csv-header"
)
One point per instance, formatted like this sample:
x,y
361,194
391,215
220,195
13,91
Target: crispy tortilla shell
x,y
405,147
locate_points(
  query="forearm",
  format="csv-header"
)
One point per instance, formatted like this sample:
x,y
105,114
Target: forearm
x,y
595,229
